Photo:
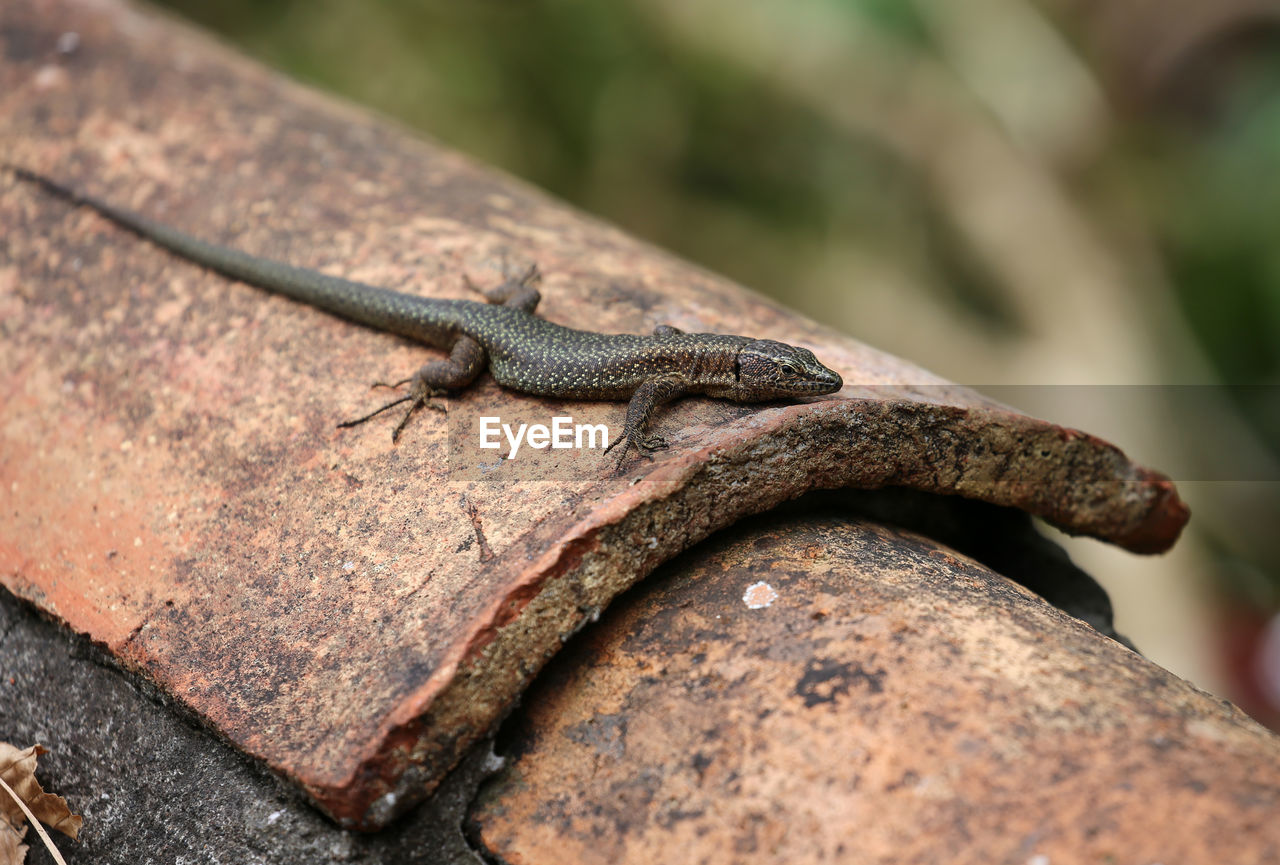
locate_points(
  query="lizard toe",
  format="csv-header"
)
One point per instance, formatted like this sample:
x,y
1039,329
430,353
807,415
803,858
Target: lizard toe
x,y
653,443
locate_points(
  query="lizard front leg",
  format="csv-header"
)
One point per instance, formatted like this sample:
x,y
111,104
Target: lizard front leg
x,y
647,397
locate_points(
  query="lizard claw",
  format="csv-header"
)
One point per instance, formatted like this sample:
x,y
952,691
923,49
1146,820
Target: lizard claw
x,y
419,397
622,453
422,401
391,385
643,446
652,443
618,467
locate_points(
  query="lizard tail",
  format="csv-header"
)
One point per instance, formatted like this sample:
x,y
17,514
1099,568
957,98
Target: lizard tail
x,y
381,308
50,186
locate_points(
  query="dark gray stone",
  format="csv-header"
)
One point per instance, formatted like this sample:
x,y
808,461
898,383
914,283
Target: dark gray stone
x,y
155,787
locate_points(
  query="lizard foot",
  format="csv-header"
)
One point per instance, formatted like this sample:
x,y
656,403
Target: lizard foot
x,y
645,446
520,291
419,398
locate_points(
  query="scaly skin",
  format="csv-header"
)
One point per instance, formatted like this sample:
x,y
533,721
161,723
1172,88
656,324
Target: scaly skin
x,y
525,353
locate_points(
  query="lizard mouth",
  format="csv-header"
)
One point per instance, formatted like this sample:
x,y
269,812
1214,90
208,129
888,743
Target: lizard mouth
x,y
828,381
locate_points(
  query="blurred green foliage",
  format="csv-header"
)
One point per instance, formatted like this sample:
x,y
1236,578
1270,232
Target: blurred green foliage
x,y
584,99
1213,192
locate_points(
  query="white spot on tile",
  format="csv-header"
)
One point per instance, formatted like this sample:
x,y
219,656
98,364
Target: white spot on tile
x,y
49,77
759,595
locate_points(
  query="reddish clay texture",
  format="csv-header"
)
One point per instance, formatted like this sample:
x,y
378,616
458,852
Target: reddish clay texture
x,y
351,611
825,690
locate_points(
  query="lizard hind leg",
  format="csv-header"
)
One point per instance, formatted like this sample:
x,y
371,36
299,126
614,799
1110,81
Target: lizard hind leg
x,y
434,378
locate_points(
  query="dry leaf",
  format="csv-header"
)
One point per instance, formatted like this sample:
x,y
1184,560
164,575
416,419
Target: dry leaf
x,y
18,770
12,850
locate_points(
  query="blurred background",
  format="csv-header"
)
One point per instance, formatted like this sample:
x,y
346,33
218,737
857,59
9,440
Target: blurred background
x,y
1072,205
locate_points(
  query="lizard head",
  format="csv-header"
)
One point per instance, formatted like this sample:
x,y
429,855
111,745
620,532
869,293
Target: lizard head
x,y
767,369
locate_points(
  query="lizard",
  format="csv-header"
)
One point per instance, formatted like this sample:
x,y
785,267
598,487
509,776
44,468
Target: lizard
x,y
523,352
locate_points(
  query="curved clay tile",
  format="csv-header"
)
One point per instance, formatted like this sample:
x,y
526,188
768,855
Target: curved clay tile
x,y
819,689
